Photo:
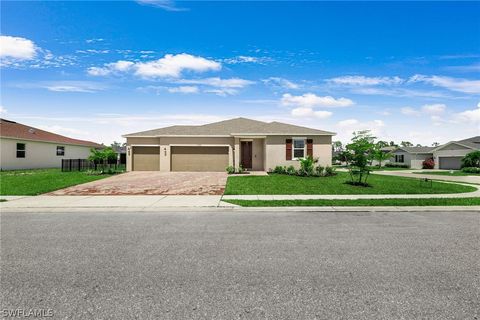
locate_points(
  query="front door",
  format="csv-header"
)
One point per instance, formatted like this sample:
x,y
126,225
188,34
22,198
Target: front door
x,y
246,154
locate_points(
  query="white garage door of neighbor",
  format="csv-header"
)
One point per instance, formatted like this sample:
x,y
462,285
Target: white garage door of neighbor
x,y
450,163
199,158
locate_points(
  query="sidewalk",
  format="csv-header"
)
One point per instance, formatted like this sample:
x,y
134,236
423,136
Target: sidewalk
x,y
410,174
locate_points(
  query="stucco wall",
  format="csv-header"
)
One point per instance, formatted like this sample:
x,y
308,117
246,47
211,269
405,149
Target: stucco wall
x,y
38,154
413,160
275,151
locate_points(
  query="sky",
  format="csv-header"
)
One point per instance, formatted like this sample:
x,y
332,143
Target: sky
x,y
94,70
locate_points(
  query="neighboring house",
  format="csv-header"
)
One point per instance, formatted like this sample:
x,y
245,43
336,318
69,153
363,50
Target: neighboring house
x,y
387,149
25,147
449,155
255,145
412,156
121,152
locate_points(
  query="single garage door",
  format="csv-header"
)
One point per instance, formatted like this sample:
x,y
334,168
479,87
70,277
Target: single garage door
x,y
450,162
199,158
146,158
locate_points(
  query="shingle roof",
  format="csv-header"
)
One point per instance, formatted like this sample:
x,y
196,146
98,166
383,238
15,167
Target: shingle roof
x,y
417,149
12,129
473,142
237,126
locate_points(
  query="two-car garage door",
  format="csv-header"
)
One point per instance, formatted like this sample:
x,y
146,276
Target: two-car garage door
x,y
183,158
199,158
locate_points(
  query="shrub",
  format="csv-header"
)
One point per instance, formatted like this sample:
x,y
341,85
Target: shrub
x,y
307,166
471,170
230,169
472,159
291,171
280,170
428,164
330,171
240,169
396,165
319,171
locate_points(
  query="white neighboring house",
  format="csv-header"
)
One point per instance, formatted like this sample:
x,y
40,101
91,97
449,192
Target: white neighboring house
x,y
25,147
412,156
449,155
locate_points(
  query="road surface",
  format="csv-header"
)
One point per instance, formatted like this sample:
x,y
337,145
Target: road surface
x,y
242,265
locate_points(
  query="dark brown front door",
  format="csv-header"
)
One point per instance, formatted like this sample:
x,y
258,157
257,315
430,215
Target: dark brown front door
x,y
246,154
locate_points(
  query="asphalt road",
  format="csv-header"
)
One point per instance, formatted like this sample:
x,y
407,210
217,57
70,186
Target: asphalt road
x,y
242,265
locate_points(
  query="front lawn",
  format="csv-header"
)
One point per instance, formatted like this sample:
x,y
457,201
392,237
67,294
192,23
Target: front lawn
x,y
358,202
38,181
448,173
284,184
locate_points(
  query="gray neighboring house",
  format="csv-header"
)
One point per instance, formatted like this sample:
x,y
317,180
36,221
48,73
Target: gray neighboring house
x,y
449,155
412,156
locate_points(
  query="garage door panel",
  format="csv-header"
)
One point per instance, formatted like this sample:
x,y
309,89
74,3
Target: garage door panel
x,y
454,163
199,158
146,158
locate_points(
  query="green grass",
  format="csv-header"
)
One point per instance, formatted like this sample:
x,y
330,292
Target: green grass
x,y
448,173
38,181
376,168
380,184
358,203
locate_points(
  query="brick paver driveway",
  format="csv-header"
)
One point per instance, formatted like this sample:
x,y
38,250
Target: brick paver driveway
x,y
153,182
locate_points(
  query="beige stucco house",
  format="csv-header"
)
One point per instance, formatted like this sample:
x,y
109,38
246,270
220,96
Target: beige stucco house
x,y
255,145
25,147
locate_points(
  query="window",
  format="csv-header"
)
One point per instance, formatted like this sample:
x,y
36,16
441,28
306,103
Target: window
x,y
399,158
20,150
298,148
60,151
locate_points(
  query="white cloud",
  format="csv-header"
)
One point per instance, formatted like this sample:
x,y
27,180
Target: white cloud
x,y
64,86
280,82
223,92
465,68
3,110
168,5
184,89
366,81
94,40
245,59
169,66
469,116
218,82
409,111
454,84
348,122
173,65
310,100
17,48
309,112
434,109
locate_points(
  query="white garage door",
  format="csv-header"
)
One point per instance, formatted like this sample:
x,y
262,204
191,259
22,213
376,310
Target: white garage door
x,y
452,163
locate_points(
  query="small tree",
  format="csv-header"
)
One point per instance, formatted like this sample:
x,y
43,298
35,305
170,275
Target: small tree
x,y
379,154
360,149
472,159
406,144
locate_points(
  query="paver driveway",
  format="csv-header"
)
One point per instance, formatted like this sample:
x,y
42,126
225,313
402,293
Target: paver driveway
x,y
153,182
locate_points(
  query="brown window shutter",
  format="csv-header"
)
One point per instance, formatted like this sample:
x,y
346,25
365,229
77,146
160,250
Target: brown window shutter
x,y
310,147
288,149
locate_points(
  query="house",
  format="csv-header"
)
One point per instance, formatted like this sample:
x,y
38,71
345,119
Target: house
x,y
449,155
411,156
25,147
121,152
254,145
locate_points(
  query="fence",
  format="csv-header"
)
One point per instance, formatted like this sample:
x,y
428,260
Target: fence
x,y
85,164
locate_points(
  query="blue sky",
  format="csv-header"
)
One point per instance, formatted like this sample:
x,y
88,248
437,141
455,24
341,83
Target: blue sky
x,y
97,70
